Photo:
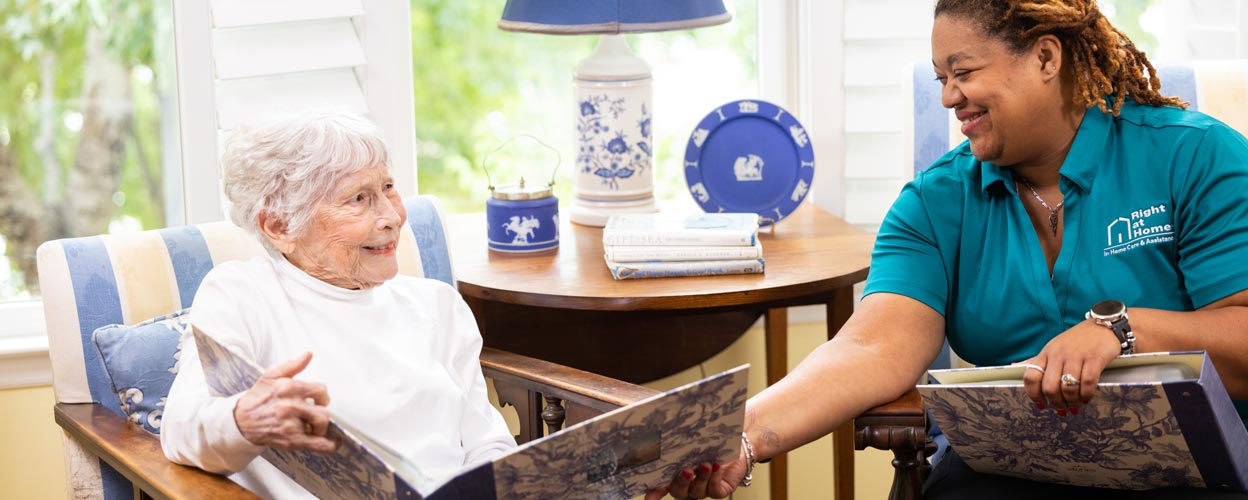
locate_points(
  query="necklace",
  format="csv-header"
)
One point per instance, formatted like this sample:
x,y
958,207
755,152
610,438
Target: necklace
x,y
1052,210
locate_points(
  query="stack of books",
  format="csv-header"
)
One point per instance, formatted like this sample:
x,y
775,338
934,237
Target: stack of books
x,y
666,245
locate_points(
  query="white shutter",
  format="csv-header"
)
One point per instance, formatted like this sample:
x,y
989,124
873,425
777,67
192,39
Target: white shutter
x,y
1202,30
882,39
243,59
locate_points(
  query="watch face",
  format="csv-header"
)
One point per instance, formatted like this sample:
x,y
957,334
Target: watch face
x,y
1108,308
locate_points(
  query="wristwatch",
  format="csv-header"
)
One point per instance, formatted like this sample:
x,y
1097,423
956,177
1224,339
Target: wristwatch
x,y
1112,314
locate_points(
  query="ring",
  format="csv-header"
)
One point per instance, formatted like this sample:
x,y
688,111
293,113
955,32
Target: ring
x,y
1068,379
1033,367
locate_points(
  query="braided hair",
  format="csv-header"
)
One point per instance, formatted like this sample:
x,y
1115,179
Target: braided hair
x,y
1106,63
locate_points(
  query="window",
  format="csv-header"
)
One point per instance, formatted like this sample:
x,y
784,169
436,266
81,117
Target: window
x,y
476,86
88,131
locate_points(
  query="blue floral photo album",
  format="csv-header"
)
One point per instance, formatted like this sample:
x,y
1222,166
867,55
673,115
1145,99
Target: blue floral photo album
x,y
617,455
1157,420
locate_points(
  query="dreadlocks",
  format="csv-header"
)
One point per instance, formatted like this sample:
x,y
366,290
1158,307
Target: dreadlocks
x,y
1106,63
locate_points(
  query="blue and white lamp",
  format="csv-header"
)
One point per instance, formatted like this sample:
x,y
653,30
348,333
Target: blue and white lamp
x,y
614,102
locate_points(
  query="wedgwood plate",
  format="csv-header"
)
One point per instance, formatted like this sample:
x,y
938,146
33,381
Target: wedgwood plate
x,y
750,156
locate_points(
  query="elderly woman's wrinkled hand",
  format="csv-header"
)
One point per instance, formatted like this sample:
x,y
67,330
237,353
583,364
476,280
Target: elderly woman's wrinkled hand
x,y
1072,364
284,413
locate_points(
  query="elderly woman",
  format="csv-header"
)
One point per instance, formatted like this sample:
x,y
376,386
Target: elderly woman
x,y
396,356
1001,246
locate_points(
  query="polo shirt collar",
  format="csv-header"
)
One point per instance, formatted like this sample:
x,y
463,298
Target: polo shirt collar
x,y
1081,161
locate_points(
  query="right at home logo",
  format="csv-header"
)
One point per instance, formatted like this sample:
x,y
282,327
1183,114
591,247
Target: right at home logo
x,y
1143,227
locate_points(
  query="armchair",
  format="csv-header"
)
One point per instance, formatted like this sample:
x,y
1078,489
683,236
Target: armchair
x,y
121,279
1212,87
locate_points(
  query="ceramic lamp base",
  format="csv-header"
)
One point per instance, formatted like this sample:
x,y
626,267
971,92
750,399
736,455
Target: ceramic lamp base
x,y
614,161
589,213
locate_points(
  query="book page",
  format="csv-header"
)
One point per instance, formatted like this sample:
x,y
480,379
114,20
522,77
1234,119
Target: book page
x,y
353,471
626,452
1127,437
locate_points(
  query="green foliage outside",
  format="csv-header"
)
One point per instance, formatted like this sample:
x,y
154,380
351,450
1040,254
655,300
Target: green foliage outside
x,y
476,86
1126,17
44,103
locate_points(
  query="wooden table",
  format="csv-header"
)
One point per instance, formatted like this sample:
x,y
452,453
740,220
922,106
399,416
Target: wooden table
x,y
563,306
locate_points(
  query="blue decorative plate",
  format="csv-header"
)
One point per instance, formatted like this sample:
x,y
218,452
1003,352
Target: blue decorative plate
x,y
750,156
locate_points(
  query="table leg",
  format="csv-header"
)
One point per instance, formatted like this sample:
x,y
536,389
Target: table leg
x,y
840,306
776,326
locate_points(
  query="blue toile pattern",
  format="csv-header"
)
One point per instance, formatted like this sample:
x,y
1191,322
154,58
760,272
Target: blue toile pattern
x,y
1125,438
646,446
141,362
611,154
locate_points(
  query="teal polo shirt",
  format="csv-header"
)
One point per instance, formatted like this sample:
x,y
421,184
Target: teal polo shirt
x,y
1156,215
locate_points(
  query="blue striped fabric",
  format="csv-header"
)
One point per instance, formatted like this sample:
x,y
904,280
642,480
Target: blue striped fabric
x,y
435,256
1179,81
931,119
98,304
190,257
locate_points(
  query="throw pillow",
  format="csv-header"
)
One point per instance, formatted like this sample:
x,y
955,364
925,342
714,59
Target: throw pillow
x,y
141,362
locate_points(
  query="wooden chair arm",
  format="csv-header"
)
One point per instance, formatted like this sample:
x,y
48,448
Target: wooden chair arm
x,y
552,395
136,454
899,426
569,384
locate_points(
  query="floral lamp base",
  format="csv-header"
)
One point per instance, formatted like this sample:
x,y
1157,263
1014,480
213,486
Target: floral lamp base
x,y
614,161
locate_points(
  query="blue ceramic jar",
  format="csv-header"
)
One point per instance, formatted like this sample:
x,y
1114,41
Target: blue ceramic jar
x,y
522,219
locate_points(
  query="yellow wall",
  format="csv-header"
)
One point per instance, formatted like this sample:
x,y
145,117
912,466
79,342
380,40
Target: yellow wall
x,y
31,464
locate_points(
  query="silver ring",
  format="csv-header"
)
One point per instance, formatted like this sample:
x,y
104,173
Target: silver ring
x,y
1068,379
1033,367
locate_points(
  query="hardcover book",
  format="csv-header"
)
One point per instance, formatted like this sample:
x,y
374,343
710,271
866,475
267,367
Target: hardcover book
x,y
661,229
617,455
635,270
1157,420
682,253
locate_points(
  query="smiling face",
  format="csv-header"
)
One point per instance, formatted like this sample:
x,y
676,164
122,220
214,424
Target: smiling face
x,y
1005,100
351,239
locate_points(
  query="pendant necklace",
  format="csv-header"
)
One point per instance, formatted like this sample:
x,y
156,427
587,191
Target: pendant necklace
x,y
1052,210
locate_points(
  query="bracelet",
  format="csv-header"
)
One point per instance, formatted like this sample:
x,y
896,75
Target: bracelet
x,y
749,458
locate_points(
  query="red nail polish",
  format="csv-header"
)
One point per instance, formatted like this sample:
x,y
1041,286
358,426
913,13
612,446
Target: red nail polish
x,y
1039,406
705,469
714,467
1074,410
1061,412
687,475
1086,401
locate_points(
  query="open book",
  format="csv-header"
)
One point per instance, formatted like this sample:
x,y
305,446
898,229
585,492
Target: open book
x,y
1157,420
620,454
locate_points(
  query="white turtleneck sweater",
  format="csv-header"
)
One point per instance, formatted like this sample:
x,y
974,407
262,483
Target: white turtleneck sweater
x,y
401,363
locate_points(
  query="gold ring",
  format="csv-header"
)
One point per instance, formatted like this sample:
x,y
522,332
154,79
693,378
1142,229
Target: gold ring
x,y
1068,379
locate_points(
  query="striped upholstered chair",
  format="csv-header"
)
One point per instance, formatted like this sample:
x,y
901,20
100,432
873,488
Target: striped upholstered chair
x,y
123,279
1216,88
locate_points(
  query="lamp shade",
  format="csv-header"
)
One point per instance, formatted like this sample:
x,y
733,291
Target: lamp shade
x,y
571,17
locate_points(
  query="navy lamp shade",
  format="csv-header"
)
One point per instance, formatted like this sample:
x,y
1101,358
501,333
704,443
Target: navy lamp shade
x,y
614,101
610,17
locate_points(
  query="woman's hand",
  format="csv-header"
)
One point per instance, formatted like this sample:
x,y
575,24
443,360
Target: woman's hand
x,y
705,480
284,413
1081,352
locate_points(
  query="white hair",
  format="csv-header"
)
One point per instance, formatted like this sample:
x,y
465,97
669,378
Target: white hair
x,y
284,168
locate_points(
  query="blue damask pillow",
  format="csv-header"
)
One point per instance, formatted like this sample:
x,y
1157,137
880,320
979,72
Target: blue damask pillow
x,y
141,362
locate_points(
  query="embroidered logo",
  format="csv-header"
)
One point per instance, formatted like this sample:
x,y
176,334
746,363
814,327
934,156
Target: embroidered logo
x,y
1143,227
